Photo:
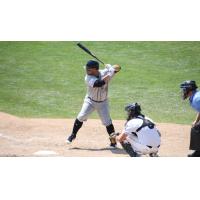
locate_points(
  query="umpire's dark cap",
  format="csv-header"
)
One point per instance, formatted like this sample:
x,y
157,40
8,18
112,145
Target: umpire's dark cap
x,y
189,85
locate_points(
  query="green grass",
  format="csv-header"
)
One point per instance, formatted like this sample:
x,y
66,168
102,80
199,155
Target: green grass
x,y
46,79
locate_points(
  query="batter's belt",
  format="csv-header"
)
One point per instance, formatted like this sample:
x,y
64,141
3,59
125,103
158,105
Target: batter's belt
x,y
96,101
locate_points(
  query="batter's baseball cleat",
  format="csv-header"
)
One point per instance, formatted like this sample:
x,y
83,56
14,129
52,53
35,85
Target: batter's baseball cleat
x,y
153,155
70,138
113,145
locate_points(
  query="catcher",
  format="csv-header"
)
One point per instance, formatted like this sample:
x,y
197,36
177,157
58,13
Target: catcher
x,y
189,90
96,98
140,135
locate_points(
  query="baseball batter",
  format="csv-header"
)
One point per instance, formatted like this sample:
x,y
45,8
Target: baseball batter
x,y
140,135
96,98
189,90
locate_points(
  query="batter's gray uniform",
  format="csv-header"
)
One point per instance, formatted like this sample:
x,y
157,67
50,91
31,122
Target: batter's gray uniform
x,y
96,98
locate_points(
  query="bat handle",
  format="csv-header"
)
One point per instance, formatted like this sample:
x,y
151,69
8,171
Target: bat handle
x,y
100,61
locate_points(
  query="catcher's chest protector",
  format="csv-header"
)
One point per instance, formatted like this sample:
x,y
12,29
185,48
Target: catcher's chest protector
x,y
145,123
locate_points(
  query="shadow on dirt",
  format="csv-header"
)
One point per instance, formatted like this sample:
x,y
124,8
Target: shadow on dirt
x,y
114,151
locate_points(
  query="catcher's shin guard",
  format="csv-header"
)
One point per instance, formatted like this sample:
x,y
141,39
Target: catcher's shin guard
x,y
128,148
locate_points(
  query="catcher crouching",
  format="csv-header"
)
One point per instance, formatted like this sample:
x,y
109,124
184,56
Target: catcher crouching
x,y
140,135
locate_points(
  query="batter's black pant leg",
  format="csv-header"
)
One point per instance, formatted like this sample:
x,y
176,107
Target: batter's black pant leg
x,y
195,138
77,126
128,148
110,129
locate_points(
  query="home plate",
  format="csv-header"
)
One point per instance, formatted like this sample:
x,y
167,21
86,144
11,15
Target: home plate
x,y
45,153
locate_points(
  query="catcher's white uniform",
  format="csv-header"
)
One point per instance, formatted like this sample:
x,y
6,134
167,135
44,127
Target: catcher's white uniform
x,y
146,140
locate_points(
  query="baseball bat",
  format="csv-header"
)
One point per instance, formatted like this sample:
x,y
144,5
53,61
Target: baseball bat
x,y
89,52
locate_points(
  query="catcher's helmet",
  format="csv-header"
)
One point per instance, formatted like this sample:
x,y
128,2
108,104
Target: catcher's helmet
x,y
188,86
133,110
92,64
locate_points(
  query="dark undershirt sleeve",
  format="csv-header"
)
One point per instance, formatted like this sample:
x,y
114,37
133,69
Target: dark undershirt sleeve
x,y
99,83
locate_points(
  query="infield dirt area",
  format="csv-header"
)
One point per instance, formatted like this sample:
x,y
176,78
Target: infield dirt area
x,y
46,137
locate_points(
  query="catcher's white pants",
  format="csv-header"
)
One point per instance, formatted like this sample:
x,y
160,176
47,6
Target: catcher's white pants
x,y
140,148
90,106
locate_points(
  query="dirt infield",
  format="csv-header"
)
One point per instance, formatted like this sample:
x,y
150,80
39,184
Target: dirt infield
x,y
46,137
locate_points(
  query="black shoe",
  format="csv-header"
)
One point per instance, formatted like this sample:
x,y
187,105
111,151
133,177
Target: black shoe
x,y
194,154
70,138
153,155
113,145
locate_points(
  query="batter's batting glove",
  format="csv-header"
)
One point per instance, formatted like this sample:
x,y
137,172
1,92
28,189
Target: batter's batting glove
x,y
108,66
117,68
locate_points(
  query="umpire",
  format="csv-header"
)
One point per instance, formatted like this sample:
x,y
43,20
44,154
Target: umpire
x,y
189,89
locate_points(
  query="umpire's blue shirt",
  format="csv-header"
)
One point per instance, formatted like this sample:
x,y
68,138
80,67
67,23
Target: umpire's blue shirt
x,y
195,100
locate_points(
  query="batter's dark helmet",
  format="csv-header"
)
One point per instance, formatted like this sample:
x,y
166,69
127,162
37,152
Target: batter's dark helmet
x,y
133,110
92,64
188,86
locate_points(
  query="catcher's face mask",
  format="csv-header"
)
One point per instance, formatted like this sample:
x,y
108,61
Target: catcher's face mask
x,y
133,110
187,87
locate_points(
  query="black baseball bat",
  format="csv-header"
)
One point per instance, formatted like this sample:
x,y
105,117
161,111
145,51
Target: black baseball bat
x,y
89,52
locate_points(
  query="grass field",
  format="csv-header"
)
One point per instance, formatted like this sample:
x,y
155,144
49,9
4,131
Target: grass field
x,y
46,79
